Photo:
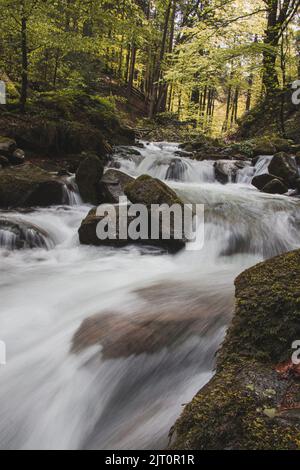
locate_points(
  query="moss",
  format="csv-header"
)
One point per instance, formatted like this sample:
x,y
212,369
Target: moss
x,y
267,318
27,186
147,190
245,405
231,412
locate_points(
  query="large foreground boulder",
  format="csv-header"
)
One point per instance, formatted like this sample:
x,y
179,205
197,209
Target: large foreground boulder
x,y
156,198
168,237
29,186
253,400
88,178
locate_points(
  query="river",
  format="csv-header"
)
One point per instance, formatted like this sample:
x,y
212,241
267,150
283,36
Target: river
x,y
103,397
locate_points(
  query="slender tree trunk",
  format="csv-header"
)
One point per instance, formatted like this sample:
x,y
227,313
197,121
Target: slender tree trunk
x,y
24,75
155,88
131,68
270,77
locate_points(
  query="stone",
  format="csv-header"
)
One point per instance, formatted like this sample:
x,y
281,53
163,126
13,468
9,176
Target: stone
x,y
88,178
113,184
28,186
276,186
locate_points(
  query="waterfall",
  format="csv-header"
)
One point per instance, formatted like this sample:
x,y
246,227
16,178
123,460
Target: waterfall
x,y
71,196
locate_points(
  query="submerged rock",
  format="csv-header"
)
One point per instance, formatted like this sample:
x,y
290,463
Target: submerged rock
x,y
250,404
88,178
19,234
169,314
28,186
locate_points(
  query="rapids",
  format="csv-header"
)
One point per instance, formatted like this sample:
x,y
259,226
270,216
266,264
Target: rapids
x,y
101,397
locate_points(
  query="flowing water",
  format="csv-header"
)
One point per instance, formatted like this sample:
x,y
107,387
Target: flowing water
x,y
160,318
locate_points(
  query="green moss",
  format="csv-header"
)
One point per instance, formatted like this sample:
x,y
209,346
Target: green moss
x,y
147,190
244,405
267,318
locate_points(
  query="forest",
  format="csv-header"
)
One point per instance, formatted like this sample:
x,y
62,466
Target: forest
x,y
206,61
150,226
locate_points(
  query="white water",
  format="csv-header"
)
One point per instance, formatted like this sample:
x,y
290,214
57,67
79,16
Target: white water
x,y
52,399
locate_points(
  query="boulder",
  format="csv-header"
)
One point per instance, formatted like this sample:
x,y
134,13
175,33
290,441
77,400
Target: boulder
x,y
125,136
263,146
261,181
282,145
147,190
88,178
283,166
176,170
113,184
276,186
252,403
60,137
226,171
167,314
7,146
167,238
18,234
28,186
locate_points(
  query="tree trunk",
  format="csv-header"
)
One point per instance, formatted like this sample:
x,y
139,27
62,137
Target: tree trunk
x,y
24,75
270,77
155,88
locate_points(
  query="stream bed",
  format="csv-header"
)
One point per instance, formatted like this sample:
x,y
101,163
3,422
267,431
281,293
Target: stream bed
x,y
127,392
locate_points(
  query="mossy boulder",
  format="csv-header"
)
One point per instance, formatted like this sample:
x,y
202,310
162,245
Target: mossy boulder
x,y
88,178
284,167
28,186
263,146
147,190
56,138
253,400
